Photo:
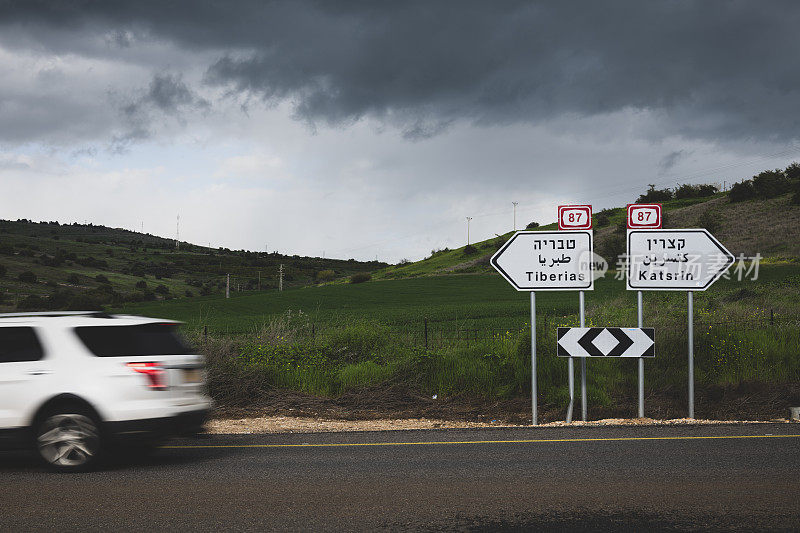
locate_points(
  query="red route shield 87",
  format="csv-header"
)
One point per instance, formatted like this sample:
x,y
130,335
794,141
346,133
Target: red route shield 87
x,y
644,216
574,217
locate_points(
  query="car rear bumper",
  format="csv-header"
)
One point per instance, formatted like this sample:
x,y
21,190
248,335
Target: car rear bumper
x,y
186,423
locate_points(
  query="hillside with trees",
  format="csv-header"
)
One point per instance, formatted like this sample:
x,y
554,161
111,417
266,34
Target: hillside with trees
x,y
48,265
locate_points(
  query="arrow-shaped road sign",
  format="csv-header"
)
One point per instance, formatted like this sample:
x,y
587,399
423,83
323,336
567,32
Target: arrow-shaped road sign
x,y
547,260
606,342
675,260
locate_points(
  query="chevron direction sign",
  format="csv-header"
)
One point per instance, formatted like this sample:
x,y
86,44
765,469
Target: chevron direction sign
x,y
606,342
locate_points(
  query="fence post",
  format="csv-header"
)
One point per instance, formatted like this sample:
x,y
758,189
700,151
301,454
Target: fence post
x,y
426,333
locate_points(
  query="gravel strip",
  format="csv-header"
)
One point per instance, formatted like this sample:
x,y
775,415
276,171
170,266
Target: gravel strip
x,y
290,424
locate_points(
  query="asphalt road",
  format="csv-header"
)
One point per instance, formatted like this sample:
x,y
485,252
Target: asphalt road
x,y
723,477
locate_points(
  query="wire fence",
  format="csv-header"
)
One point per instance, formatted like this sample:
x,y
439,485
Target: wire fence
x,y
430,334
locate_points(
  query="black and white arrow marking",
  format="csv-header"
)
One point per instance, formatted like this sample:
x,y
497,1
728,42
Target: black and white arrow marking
x,y
606,342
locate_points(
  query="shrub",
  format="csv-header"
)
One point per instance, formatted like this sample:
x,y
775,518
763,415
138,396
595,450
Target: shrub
x,y
796,196
326,275
792,172
141,284
742,191
694,191
470,250
654,195
32,303
162,289
709,221
189,293
771,183
27,277
101,279
532,225
360,277
74,279
2,271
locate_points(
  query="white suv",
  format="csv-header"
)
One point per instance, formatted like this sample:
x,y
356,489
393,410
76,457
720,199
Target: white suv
x,y
71,384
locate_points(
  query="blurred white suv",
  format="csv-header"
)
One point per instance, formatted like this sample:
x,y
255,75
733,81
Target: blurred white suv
x,y
71,384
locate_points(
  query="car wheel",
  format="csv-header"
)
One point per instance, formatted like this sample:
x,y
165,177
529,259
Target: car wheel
x,y
69,440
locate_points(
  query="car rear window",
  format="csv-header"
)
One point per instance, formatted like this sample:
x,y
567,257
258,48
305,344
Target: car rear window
x,y
127,341
19,344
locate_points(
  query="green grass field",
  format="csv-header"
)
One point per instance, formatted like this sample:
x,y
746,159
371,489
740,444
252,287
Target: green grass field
x,y
336,338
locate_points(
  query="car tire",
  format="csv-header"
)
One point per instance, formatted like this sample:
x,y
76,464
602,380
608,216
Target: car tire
x,y
69,439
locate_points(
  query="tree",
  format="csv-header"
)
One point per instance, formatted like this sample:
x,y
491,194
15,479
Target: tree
x,y
742,191
27,277
162,289
771,183
792,172
360,277
654,195
532,225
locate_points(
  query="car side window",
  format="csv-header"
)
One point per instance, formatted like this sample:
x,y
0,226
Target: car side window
x,y
19,344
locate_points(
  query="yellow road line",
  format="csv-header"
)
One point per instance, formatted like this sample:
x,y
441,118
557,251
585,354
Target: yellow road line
x,y
434,443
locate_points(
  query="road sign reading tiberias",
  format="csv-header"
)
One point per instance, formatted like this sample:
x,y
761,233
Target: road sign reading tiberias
x,y
675,259
547,260
606,342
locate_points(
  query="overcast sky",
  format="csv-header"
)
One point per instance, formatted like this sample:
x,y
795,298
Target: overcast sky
x,y
364,129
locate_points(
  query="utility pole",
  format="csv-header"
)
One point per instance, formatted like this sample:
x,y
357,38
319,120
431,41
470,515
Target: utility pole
x,y
468,219
228,287
280,278
515,215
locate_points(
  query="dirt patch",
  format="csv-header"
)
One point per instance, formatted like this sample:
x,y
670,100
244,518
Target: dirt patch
x,y
745,402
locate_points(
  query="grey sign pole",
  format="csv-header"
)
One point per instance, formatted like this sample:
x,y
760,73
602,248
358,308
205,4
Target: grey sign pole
x,y
641,361
534,407
691,352
583,364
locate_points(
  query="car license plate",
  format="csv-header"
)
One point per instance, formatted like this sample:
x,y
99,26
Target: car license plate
x,y
192,375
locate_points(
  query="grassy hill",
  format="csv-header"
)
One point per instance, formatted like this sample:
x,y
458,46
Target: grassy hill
x,y
48,265
770,227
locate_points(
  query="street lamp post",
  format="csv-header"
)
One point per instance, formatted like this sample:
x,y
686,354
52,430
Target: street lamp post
x,y
468,219
515,215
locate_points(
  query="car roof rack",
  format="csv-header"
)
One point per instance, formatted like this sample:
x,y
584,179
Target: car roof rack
x,y
93,314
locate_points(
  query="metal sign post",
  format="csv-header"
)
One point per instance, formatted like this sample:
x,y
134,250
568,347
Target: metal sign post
x,y
640,323
546,261
583,364
690,314
534,407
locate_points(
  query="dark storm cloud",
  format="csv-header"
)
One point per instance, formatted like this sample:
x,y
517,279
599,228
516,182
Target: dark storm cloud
x,y
708,69
670,160
166,95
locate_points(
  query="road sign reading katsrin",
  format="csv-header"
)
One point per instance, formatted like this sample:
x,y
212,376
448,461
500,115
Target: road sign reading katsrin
x,y
644,216
675,260
547,260
574,217
606,342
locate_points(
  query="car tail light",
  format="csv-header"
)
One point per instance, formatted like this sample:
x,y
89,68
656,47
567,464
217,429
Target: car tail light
x,y
154,373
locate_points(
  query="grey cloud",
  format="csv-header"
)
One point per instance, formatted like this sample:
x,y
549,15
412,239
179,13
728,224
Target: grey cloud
x,y
710,70
166,95
670,160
